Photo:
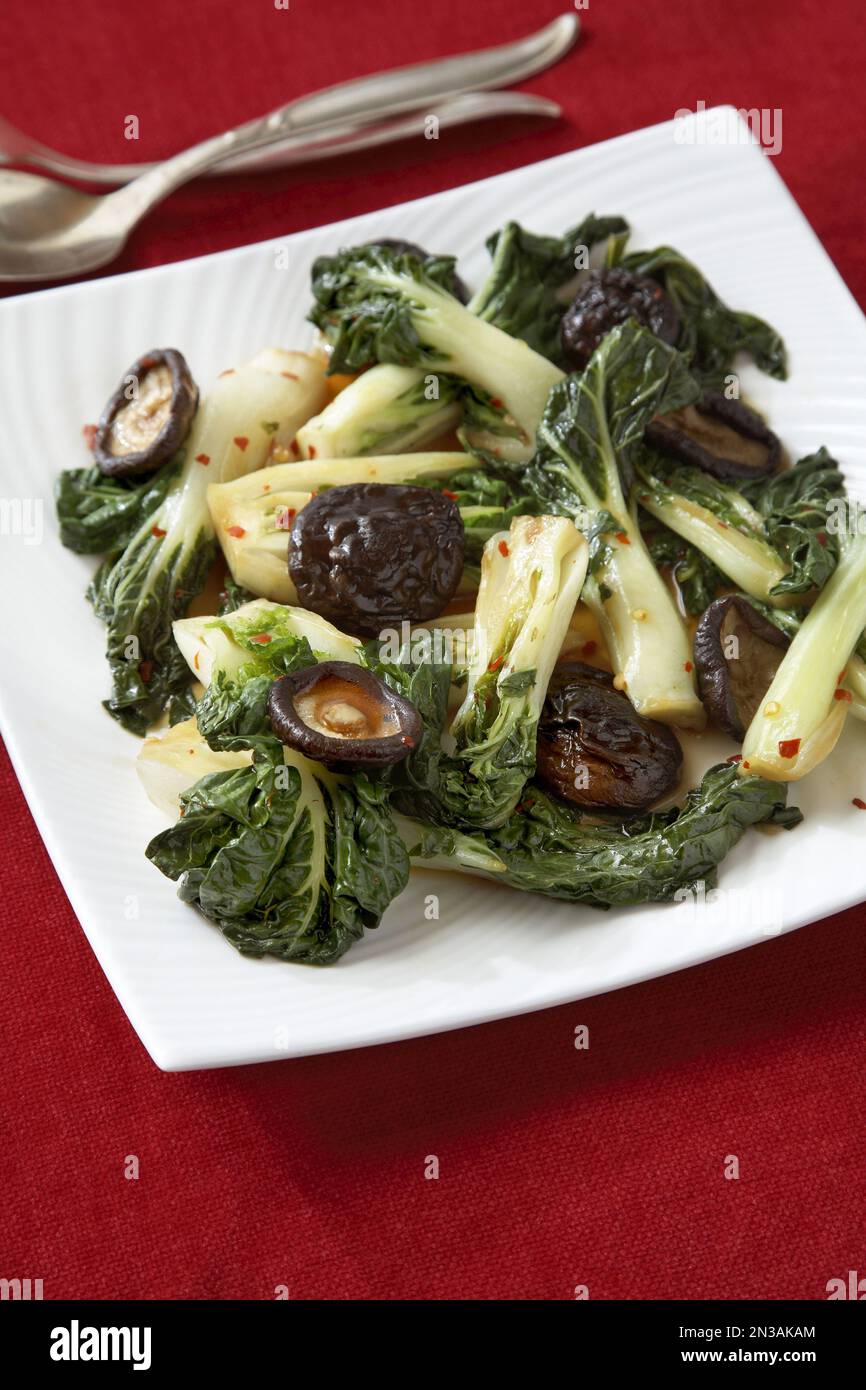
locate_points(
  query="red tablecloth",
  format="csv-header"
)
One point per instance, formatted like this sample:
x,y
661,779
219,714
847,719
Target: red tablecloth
x,y
558,1167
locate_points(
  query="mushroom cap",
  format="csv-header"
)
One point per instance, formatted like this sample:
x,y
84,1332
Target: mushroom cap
x,y
596,751
344,716
369,555
722,436
162,418
608,298
737,654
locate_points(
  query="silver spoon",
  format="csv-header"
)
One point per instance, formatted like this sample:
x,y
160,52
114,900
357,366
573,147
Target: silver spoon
x,y
51,231
401,89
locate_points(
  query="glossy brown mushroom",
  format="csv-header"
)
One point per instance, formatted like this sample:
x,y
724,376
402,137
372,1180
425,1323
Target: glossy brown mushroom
x,y
724,437
608,298
343,716
595,750
737,654
148,417
369,555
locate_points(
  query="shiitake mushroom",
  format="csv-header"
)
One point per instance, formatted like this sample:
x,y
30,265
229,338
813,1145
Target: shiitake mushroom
x,y
722,436
595,751
344,716
608,298
737,654
148,417
411,248
366,556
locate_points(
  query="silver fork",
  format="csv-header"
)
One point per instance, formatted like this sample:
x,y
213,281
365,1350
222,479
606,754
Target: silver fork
x,y
401,89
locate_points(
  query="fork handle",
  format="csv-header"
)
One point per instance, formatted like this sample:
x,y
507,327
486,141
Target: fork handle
x,y
269,141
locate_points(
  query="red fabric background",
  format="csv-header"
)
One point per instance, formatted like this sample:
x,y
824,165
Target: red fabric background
x,y
558,1167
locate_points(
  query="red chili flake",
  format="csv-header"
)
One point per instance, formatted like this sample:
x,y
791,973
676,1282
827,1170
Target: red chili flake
x,y
822,539
236,531
496,402
856,801
157,531
724,525
839,694
290,376
89,432
736,758
408,741
241,441
229,371
311,452
622,538
266,487
789,747
588,648
262,638
503,548
840,677
687,666
452,495
495,665
145,670
747,765
203,458
295,448
146,363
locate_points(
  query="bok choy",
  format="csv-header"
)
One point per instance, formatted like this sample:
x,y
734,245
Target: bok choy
x,y
543,848
373,305
592,423
771,539
165,560
802,714
390,409
286,858
386,410
531,578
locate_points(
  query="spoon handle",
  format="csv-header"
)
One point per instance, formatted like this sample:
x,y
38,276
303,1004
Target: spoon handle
x,y
270,142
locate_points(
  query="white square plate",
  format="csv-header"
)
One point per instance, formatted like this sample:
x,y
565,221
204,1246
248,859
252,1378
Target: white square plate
x,y
492,952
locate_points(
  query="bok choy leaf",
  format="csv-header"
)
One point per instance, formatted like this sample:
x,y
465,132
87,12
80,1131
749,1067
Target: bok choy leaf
x,y
582,469
531,578
286,858
802,714
545,848
772,539
711,334
528,284
373,305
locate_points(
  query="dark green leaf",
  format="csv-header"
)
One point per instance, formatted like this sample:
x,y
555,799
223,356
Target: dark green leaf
x,y
711,334
527,286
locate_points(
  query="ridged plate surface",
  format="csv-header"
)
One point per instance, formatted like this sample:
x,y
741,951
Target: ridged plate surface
x,y
193,1001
